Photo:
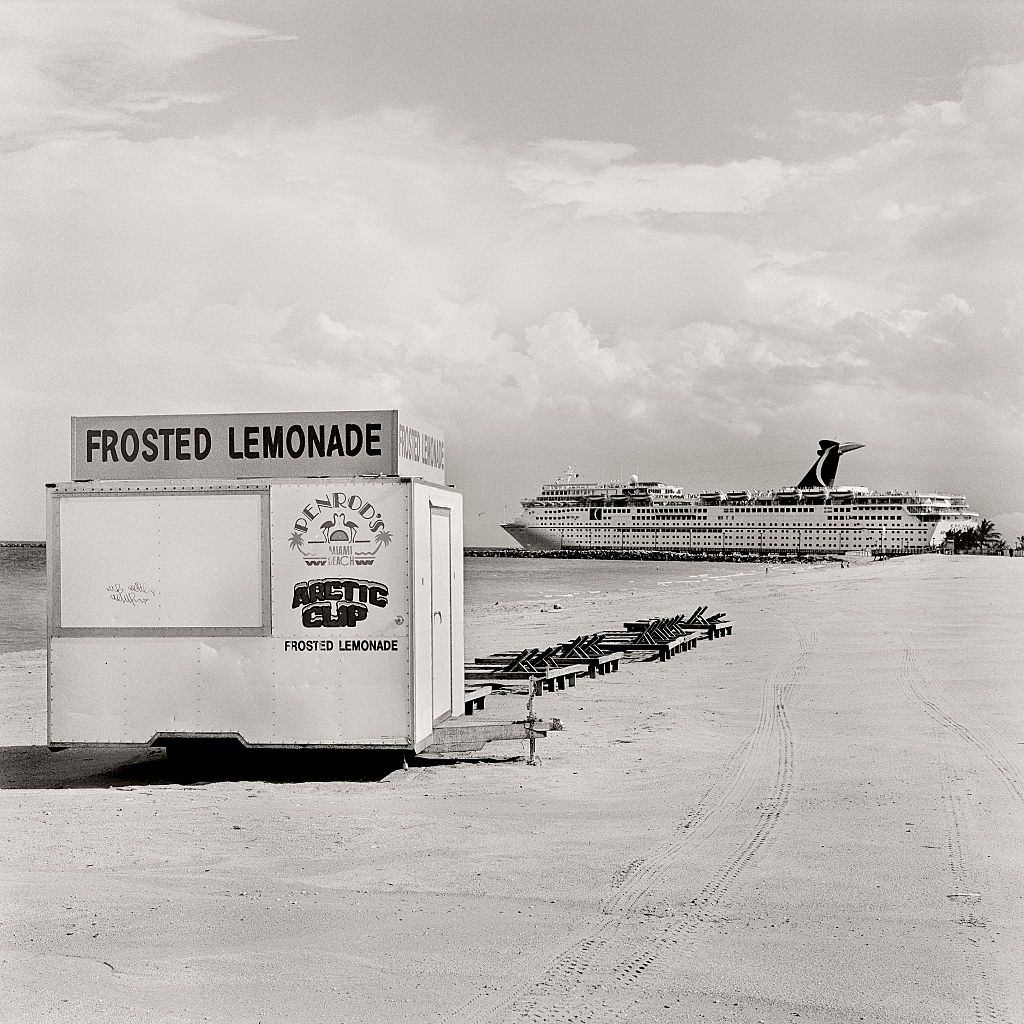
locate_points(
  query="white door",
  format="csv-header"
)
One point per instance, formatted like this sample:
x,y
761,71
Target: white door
x,y
441,611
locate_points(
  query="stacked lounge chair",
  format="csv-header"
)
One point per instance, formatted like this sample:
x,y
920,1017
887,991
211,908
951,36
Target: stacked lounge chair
x,y
534,670
650,636
710,627
525,666
584,650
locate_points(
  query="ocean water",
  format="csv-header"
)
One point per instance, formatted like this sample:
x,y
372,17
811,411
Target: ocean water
x,y
488,581
22,598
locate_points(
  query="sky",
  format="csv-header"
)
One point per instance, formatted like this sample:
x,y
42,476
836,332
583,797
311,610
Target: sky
x,y
686,240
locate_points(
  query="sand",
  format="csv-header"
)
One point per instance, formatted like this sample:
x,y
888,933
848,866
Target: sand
x,y
816,820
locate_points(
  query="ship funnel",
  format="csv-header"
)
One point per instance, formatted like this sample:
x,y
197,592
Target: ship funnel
x,y
823,472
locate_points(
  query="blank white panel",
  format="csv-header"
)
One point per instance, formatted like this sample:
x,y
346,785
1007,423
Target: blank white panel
x,y
127,689
107,690
341,697
161,560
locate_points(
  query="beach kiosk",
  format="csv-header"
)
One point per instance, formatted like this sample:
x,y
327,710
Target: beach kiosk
x,y
285,580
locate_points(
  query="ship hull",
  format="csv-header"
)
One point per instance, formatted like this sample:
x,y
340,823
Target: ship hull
x,y
530,538
810,531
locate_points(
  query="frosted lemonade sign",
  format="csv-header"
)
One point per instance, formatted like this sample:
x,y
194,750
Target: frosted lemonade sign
x,y
252,445
420,453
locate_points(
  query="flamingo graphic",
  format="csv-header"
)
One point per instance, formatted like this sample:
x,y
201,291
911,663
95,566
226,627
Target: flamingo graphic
x,y
343,533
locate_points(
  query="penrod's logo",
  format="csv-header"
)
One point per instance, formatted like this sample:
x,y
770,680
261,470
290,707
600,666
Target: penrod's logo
x,y
338,602
339,529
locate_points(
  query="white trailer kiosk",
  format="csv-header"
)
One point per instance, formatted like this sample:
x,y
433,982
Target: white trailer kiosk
x,y
288,580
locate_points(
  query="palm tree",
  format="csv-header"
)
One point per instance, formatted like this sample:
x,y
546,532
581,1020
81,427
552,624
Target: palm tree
x,y
965,540
383,540
296,541
987,534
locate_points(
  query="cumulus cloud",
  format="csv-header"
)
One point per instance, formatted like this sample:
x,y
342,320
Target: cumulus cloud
x,y
563,302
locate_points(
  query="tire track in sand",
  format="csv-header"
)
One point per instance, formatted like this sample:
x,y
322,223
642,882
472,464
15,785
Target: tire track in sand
x,y
966,869
940,708
594,975
969,883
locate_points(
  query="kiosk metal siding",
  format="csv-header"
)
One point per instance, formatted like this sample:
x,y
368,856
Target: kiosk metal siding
x,y
372,682
52,568
140,684
415,657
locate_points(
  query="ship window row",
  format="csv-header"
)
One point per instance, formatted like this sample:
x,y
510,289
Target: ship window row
x,y
704,518
704,525
733,532
855,516
747,540
683,540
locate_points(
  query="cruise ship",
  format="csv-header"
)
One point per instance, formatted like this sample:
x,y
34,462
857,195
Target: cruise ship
x,y
815,516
